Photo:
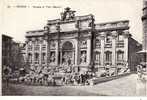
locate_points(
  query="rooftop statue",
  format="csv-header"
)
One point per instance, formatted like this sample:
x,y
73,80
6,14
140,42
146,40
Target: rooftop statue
x,y
67,14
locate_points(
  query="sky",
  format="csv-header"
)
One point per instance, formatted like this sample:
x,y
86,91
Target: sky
x,y
20,16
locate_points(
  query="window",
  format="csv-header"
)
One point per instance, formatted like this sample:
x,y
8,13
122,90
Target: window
x,y
36,47
108,58
30,57
98,42
120,56
29,47
43,56
120,37
108,38
36,58
43,47
97,57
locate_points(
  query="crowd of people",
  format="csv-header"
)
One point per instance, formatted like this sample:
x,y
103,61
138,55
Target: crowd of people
x,y
51,80
78,78
38,79
48,77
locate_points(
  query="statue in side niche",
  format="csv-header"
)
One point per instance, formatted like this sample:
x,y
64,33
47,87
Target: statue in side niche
x,y
83,57
52,59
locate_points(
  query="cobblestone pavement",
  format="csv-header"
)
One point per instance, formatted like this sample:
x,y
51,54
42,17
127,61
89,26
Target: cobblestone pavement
x,y
124,86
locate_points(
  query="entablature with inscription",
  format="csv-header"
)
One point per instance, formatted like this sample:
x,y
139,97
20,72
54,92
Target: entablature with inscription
x,y
116,25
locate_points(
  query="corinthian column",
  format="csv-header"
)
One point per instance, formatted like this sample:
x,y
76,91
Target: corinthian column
x,y
26,50
57,53
40,55
126,35
33,52
102,48
88,51
76,53
114,35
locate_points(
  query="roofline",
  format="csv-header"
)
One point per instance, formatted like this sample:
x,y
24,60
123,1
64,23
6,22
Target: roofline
x,y
111,22
33,31
7,36
54,20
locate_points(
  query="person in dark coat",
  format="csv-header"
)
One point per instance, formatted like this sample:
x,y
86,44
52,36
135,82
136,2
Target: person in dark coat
x,y
7,72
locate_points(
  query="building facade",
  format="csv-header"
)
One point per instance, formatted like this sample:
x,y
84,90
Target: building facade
x,y
142,67
76,44
11,53
144,22
143,52
6,50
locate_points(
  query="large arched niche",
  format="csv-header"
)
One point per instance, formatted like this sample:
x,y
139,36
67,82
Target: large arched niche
x,y
67,53
69,42
67,46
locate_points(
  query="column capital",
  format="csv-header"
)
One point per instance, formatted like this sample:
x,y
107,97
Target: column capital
x,y
58,27
46,38
126,34
33,40
102,35
26,41
46,29
114,34
41,39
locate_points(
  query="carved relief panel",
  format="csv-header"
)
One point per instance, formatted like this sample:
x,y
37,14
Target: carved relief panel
x,y
52,44
83,57
83,44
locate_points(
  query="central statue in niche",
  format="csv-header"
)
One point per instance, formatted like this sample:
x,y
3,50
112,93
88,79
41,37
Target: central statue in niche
x,y
67,50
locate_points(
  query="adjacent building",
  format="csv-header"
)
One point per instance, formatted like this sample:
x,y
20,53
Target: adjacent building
x,y
11,53
6,50
141,88
143,52
144,21
77,44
